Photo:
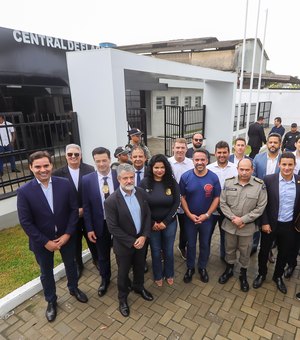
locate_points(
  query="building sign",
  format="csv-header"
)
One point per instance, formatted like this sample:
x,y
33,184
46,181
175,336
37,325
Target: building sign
x,y
43,40
35,59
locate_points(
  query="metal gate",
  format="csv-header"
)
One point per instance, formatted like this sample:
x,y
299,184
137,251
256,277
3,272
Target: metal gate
x,y
45,132
136,118
182,122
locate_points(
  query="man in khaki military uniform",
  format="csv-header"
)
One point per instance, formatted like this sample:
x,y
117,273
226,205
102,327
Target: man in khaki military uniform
x,y
243,200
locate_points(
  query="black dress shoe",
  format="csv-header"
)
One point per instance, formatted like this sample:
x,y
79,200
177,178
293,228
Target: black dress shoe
x,y
79,295
226,275
146,268
144,294
289,272
244,283
51,311
188,275
280,284
203,275
103,287
124,308
258,281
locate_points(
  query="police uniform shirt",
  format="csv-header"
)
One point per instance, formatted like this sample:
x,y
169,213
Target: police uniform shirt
x,y
246,201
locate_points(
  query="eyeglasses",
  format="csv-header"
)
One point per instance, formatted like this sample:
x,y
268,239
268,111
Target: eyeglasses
x,y
75,154
198,140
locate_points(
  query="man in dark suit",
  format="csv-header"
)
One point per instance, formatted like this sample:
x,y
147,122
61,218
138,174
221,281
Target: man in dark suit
x,y
74,171
278,219
256,136
48,213
129,221
96,187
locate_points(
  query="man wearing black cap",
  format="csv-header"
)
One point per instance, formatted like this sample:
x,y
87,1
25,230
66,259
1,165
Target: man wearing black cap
x,y
289,139
135,139
122,156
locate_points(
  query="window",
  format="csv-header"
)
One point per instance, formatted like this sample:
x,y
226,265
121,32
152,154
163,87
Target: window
x,y
160,102
187,101
198,101
174,101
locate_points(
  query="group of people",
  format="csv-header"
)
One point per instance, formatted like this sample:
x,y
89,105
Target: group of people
x,y
138,202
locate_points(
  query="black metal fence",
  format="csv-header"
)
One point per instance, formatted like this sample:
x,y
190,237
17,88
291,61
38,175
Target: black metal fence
x,y
264,110
182,122
45,132
136,118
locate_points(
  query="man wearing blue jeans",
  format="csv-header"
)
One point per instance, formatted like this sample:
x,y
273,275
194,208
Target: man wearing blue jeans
x,y
7,140
200,189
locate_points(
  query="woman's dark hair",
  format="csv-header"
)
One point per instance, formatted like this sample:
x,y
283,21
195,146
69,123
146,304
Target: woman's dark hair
x,y
168,179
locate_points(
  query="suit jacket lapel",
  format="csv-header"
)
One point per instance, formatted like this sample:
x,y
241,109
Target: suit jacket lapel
x,y
124,208
40,196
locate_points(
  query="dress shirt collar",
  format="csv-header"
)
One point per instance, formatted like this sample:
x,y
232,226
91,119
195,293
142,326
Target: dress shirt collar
x,y
124,194
100,176
282,179
40,183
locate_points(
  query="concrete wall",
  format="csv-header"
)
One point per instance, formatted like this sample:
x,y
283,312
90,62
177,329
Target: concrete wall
x,y
285,103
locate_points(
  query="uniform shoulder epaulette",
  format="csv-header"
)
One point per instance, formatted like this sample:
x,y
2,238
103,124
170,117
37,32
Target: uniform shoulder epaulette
x,y
227,179
258,180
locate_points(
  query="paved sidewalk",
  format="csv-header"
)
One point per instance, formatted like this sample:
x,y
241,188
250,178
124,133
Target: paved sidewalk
x,y
184,311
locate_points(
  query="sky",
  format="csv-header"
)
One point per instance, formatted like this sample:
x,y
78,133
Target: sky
x,y
137,21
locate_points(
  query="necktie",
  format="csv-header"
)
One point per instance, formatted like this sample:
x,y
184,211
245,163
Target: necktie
x,y
105,188
138,177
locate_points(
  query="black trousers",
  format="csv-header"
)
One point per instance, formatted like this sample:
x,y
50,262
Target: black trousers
x,y
182,232
45,259
81,232
284,236
254,151
136,259
103,245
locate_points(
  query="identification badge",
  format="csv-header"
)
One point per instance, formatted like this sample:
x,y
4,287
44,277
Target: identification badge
x,y
168,192
105,189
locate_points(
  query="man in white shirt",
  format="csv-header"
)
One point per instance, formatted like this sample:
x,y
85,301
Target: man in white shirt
x,y
74,170
223,169
239,146
139,158
7,141
180,164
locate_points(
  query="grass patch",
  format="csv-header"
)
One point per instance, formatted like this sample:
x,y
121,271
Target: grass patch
x,y
17,263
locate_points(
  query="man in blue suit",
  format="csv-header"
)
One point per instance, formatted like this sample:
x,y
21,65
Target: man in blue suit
x,y
96,188
266,163
48,213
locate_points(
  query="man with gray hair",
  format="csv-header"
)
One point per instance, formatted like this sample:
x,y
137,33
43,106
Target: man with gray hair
x,y
74,171
129,221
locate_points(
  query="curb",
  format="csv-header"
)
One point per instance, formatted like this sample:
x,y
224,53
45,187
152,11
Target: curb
x,y
29,289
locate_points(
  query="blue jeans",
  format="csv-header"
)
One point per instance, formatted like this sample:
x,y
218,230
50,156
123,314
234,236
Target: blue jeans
x,y
8,148
204,230
163,240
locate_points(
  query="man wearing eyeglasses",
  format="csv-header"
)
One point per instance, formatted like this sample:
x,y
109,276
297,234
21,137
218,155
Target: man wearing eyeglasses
x,y
197,140
74,171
